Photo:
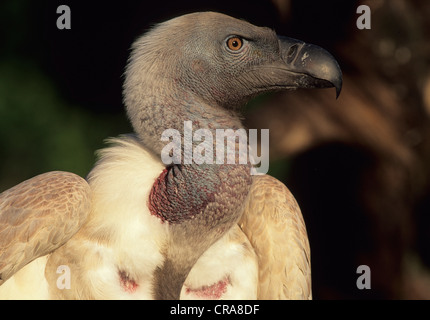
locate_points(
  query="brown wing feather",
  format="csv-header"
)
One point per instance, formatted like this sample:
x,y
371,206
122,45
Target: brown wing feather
x,y
39,215
273,222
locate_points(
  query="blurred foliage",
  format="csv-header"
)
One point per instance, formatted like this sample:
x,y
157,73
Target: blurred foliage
x,y
40,131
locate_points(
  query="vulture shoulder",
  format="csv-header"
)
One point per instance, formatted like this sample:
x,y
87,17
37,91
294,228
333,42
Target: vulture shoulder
x,y
274,225
39,215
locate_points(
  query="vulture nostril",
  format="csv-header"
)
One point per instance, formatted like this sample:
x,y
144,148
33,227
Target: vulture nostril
x,y
291,54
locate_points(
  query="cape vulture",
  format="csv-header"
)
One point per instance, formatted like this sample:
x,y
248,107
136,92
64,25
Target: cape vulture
x,y
138,228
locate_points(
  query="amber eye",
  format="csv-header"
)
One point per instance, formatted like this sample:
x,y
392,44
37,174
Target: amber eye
x,y
234,43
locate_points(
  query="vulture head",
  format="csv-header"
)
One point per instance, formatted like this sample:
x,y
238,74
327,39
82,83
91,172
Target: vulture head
x,y
202,67
214,61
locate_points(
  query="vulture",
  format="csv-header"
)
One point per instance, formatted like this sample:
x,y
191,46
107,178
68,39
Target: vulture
x,y
138,228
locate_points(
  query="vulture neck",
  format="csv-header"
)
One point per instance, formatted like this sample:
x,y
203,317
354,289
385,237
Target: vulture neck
x,y
158,116
155,106
159,98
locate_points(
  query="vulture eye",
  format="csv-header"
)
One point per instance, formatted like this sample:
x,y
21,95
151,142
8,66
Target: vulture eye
x,y
234,43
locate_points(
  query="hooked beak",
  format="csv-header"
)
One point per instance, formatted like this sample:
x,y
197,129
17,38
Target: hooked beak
x,y
309,66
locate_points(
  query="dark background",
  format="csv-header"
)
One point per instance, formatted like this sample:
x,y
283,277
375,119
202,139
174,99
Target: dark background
x,y
358,166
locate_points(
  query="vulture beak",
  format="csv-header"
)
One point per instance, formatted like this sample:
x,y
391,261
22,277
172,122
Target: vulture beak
x,y
311,66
